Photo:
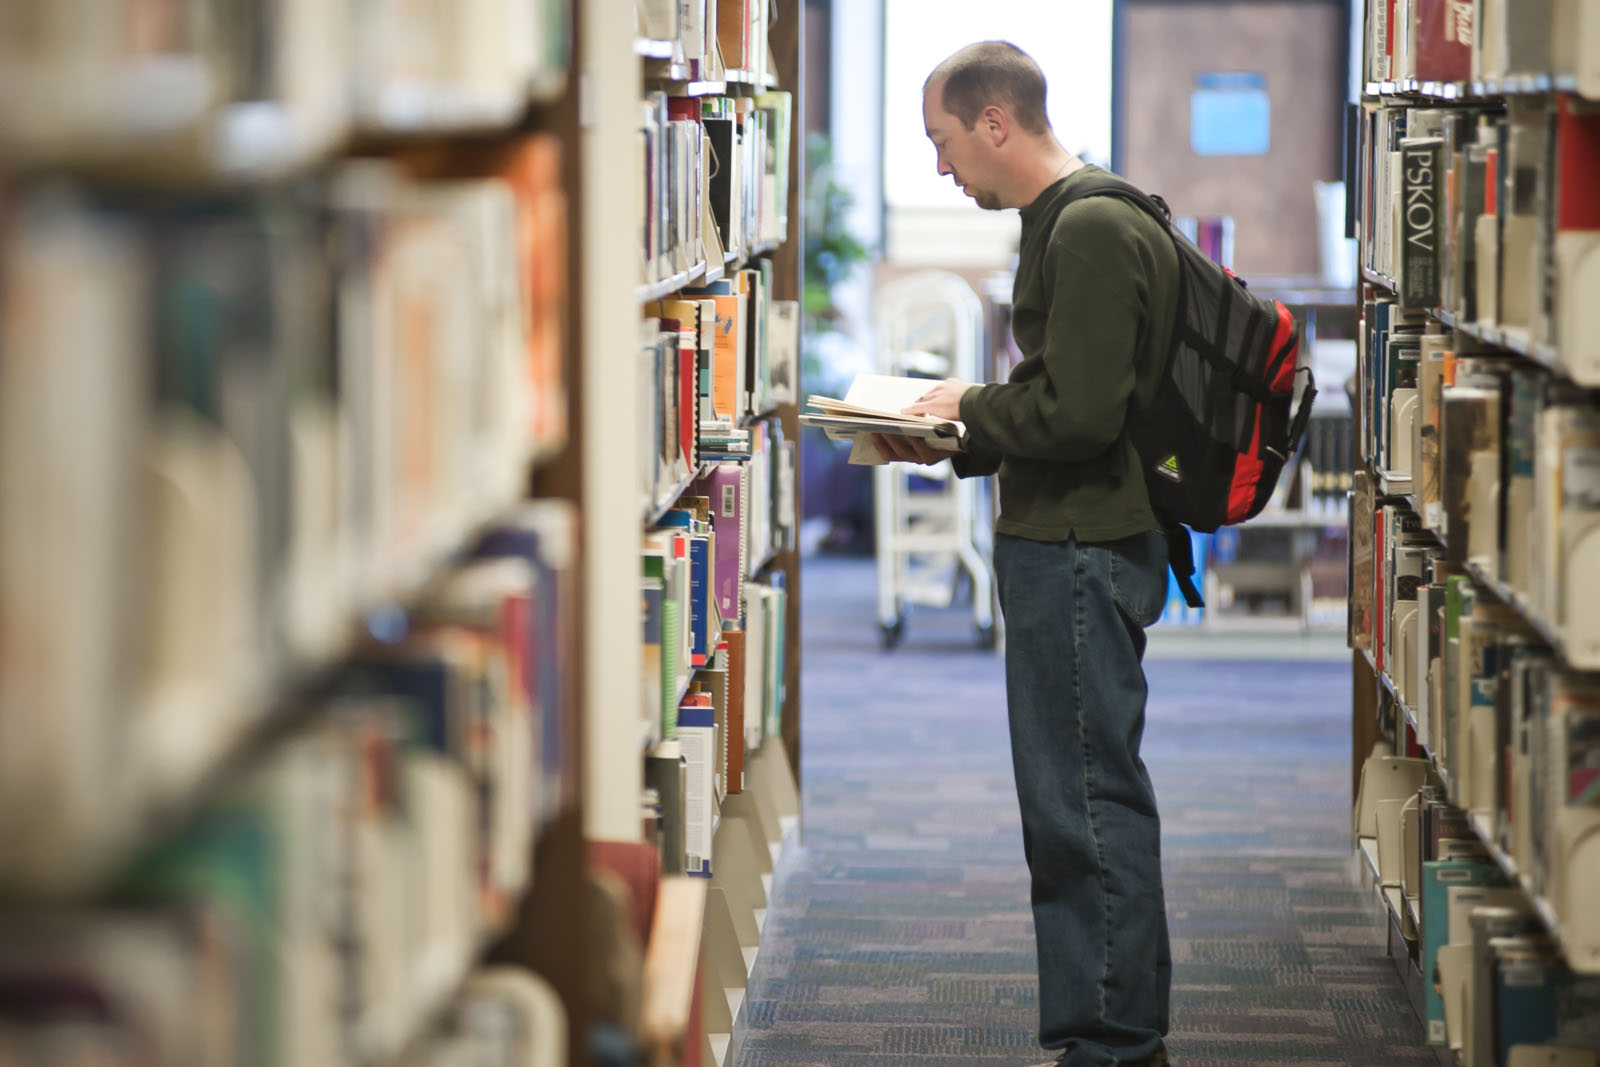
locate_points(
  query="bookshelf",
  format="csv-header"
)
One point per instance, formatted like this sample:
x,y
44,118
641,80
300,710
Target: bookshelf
x,y
320,538
287,717
1476,650
697,396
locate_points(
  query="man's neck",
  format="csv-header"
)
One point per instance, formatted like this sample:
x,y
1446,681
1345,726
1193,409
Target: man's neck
x,y
1043,171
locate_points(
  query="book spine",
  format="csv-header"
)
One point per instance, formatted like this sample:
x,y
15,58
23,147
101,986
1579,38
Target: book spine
x,y
697,733
1421,217
1444,40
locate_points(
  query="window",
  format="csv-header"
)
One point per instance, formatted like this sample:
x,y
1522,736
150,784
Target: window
x,y
1071,41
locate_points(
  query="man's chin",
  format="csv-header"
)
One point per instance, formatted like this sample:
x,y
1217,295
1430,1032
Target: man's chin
x,y
985,199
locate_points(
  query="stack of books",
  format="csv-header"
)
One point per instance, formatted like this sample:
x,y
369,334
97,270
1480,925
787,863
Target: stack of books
x,y
875,404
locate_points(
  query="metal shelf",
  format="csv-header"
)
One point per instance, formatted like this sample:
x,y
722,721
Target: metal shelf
x,y
667,286
1514,599
684,79
658,509
1487,90
1378,279
1512,339
703,273
1508,867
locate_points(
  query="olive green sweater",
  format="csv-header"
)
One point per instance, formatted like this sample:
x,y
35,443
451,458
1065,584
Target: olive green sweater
x,y
1092,310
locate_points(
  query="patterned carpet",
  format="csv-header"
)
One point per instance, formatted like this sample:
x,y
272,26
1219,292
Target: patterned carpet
x,y
902,935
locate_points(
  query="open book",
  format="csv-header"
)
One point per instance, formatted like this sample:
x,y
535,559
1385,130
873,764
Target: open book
x,y
873,405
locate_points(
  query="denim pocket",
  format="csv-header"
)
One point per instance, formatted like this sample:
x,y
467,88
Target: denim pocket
x,y
1139,575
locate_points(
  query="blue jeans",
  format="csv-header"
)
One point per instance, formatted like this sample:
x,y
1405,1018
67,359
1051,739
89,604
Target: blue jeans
x,y
1075,688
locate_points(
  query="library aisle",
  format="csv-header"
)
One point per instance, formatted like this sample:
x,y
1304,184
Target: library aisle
x,y
901,933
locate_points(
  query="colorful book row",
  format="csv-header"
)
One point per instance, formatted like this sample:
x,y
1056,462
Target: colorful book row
x,y
716,178
1513,732
330,899
1482,40
191,87
1493,216
711,40
1496,989
231,427
715,359
1498,460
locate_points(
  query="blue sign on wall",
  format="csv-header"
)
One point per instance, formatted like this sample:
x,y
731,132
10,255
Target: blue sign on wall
x,y
1230,114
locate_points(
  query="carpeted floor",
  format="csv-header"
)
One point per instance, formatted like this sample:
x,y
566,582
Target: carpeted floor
x,y
901,933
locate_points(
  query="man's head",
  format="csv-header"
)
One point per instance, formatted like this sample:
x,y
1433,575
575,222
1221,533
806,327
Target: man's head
x,y
984,111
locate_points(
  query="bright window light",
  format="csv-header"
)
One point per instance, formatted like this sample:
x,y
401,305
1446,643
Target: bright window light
x,y
1071,41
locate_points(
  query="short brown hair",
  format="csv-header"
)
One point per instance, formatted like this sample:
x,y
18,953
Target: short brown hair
x,y
992,72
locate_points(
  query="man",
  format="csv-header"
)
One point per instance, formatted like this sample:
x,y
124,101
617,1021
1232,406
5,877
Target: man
x,y
1080,559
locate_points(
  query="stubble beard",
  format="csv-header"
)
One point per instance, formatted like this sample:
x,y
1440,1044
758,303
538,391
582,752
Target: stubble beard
x,y
987,199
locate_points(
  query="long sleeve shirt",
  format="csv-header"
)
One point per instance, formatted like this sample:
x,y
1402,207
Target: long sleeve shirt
x,y
1092,312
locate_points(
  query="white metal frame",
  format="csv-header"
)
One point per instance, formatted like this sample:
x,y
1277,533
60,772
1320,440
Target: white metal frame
x,y
930,323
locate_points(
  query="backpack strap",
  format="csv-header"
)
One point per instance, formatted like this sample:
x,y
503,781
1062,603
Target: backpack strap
x,y
1180,547
1180,557
1156,208
1302,415
1110,185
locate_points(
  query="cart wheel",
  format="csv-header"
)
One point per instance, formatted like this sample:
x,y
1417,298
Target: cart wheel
x,y
988,637
890,634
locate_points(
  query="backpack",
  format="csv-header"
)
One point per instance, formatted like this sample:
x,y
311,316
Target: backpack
x,y
1218,431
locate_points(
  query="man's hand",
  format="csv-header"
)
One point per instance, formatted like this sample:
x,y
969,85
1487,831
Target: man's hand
x,y
907,449
943,401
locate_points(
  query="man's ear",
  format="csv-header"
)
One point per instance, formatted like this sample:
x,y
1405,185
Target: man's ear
x,y
995,124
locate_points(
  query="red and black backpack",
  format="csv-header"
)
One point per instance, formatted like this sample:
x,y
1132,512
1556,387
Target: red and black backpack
x,y
1219,429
